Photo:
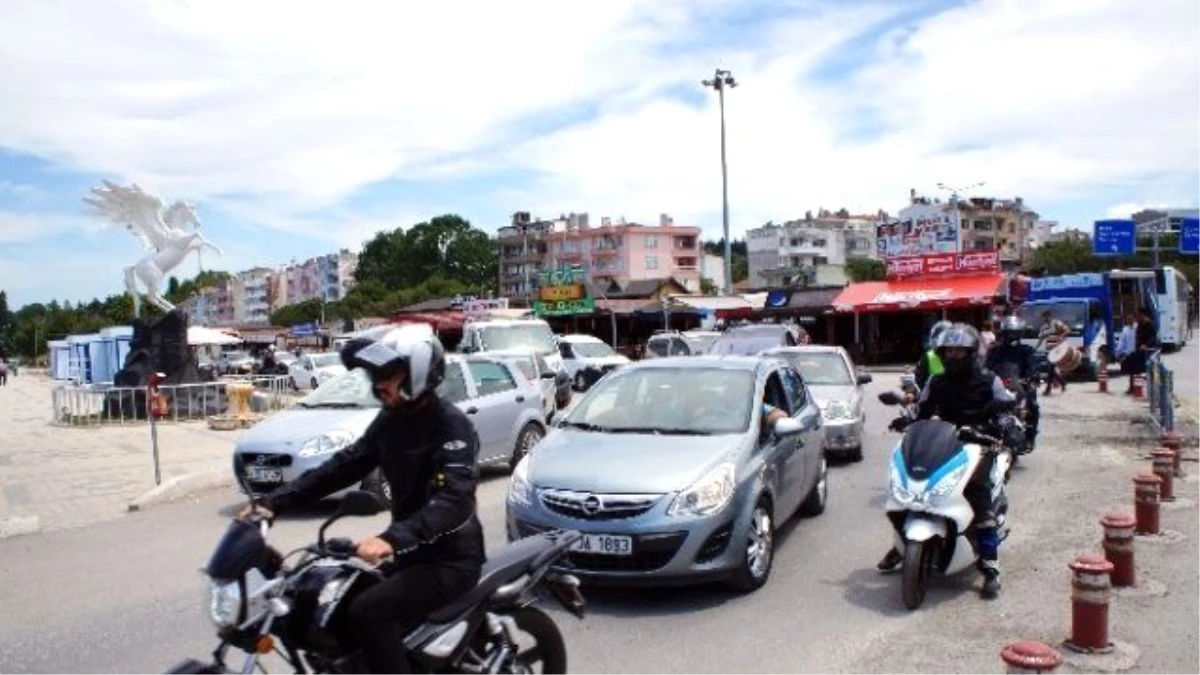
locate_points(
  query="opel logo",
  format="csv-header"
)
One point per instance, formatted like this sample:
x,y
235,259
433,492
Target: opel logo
x,y
591,505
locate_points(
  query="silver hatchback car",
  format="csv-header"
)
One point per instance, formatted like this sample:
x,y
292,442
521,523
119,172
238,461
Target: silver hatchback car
x,y
668,468
837,384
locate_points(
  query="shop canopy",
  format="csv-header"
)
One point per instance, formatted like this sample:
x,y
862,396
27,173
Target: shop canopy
x,y
201,336
918,294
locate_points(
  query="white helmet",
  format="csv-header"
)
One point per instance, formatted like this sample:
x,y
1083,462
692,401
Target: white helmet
x,y
411,347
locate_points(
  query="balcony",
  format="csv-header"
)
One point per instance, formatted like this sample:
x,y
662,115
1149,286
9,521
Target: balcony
x,y
604,252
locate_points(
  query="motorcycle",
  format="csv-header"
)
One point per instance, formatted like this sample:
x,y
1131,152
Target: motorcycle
x,y
930,469
262,606
1010,375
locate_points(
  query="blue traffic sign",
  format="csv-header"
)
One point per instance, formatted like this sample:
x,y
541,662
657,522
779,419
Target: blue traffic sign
x,y
1114,237
1189,236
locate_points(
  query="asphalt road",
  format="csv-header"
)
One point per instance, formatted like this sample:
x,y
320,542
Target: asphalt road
x,y
126,595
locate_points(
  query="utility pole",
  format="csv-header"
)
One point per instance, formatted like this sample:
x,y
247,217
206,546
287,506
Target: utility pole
x,y
721,80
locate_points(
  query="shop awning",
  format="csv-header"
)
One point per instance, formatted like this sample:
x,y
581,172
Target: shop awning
x,y
910,294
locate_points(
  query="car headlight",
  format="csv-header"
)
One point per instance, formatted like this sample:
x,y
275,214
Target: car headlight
x,y
518,484
224,602
837,410
708,495
326,444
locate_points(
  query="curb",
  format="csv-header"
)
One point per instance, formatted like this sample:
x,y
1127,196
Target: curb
x,y
182,486
19,525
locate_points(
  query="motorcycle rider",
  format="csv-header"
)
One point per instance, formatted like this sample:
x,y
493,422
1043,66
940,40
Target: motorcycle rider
x,y
426,449
1010,350
930,364
965,394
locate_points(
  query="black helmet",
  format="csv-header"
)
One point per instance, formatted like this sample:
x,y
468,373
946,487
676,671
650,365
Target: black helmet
x,y
959,335
412,348
937,331
1012,329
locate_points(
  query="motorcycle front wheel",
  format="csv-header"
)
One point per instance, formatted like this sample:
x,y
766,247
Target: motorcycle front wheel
x,y
918,566
540,646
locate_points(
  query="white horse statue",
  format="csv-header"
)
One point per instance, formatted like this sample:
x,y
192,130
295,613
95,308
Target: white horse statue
x,y
161,231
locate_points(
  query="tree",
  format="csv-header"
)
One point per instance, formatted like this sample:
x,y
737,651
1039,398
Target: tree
x,y
6,324
709,287
865,269
738,262
446,246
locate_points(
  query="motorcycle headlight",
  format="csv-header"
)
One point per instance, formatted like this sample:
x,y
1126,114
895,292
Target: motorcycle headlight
x,y
326,444
518,484
900,490
946,485
837,410
707,496
224,602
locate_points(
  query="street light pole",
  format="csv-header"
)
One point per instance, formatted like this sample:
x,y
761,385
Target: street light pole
x,y
722,79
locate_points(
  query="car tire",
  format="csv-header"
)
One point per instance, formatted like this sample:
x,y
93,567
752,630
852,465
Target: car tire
x,y
755,567
530,435
814,503
379,485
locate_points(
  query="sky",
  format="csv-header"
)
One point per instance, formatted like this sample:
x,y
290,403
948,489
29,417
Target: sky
x,y
302,127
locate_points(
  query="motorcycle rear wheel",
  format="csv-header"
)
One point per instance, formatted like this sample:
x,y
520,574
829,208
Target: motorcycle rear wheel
x,y
548,650
918,565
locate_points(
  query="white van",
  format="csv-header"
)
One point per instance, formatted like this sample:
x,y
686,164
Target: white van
x,y
584,353
508,334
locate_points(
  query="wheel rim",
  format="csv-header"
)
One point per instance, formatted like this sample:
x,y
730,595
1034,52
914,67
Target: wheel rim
x,y
759,547
385,488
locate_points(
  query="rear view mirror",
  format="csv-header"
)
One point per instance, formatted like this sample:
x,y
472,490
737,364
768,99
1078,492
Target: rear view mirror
x,y
890,398
360,503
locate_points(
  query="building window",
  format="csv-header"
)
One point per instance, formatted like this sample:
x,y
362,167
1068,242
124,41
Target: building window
x,y
651,262
652,241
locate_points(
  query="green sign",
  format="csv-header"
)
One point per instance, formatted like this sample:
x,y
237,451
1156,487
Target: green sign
x,y
563,276
564,307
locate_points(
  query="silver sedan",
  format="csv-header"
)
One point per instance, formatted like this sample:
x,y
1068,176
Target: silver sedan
x,y
836,383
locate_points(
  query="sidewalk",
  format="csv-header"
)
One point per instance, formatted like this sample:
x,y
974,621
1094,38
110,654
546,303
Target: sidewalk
x,y
53,477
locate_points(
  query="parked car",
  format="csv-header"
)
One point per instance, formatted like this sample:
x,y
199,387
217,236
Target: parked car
x,y
587,359
534,368
505,409
310,371
837,385
489,335
675,343
752,339
235,363
666,469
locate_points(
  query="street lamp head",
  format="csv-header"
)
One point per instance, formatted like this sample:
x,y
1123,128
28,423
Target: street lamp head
x,y
708,83
730,81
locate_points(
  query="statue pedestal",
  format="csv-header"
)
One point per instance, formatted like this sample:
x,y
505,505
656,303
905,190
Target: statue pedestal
x,y
160,346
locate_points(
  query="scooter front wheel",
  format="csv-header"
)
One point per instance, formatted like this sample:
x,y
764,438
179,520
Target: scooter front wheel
x,y
918,558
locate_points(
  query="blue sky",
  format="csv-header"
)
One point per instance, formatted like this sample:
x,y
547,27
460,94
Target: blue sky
x,y
299,128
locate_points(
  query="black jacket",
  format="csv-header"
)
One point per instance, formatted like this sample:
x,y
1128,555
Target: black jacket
x,y
963,401
429,457
1024,356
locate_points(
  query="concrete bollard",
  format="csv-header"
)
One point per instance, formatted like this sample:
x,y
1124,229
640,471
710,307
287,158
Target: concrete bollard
x,y
1145,498
1030,656
1102,378
1118,547
1164,468
1173,440
1139,386
1089,604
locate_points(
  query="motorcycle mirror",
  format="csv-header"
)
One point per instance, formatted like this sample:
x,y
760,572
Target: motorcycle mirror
x,y
360,503
890,398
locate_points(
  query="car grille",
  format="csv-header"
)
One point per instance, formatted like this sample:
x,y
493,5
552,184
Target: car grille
x,y
588,506
650,552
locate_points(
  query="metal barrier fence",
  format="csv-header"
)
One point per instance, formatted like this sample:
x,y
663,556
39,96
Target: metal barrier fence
x,y
85,405
1160,381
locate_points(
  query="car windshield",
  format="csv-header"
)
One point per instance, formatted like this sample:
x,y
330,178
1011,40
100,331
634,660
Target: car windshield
x,y
518,336
669,401
525,365
1072,313
746,342
324,360
700,343
821,367
348,390
592,350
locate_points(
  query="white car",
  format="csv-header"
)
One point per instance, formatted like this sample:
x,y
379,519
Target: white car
x,y
535,369
587,358
311,370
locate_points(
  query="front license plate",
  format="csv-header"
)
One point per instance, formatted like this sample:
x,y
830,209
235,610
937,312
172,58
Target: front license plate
x,y
262,474
604,544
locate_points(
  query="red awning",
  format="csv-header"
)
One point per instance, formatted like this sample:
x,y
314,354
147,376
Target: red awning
x,y
896,296
440,321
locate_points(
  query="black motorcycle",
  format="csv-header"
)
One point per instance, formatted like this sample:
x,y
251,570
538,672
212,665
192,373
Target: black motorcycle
x,y
261,605
1009,373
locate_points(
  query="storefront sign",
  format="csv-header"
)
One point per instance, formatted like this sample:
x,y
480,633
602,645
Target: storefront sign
x,y
921,229
555,293
564,307
563,276
910,297
942,264
1085,280
478,307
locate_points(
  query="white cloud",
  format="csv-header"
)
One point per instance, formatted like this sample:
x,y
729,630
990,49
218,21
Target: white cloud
x,y
274,112
19,227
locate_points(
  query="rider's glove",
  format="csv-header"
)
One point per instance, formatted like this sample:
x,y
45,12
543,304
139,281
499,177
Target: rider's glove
x,y
898,424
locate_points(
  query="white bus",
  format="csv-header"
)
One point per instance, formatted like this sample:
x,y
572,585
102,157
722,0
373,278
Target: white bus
x,y
1172,293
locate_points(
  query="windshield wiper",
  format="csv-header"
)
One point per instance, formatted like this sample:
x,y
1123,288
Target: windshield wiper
x,y
330,404
671,431
586,426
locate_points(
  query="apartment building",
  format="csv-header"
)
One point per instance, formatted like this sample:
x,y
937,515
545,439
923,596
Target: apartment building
x,y
614,250
961,225
327,277
250,296
795,253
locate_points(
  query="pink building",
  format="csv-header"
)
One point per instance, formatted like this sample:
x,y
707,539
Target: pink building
x,y
611,251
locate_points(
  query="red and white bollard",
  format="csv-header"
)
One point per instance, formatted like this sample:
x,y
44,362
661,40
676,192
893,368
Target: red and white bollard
x,y
1145,502
1118,547
1164,467
1139,386
1102,378
1030,656
1173,440
1089,604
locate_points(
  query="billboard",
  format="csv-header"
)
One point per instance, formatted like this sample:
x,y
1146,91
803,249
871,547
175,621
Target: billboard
x,y
921,229
943,264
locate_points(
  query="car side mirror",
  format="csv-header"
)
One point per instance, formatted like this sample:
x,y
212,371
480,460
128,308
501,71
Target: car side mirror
x,y
548,375
865,378
890,398
787,427
360,503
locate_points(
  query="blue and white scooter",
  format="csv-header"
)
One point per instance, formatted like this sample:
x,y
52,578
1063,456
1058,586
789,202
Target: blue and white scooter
x,y
930,469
